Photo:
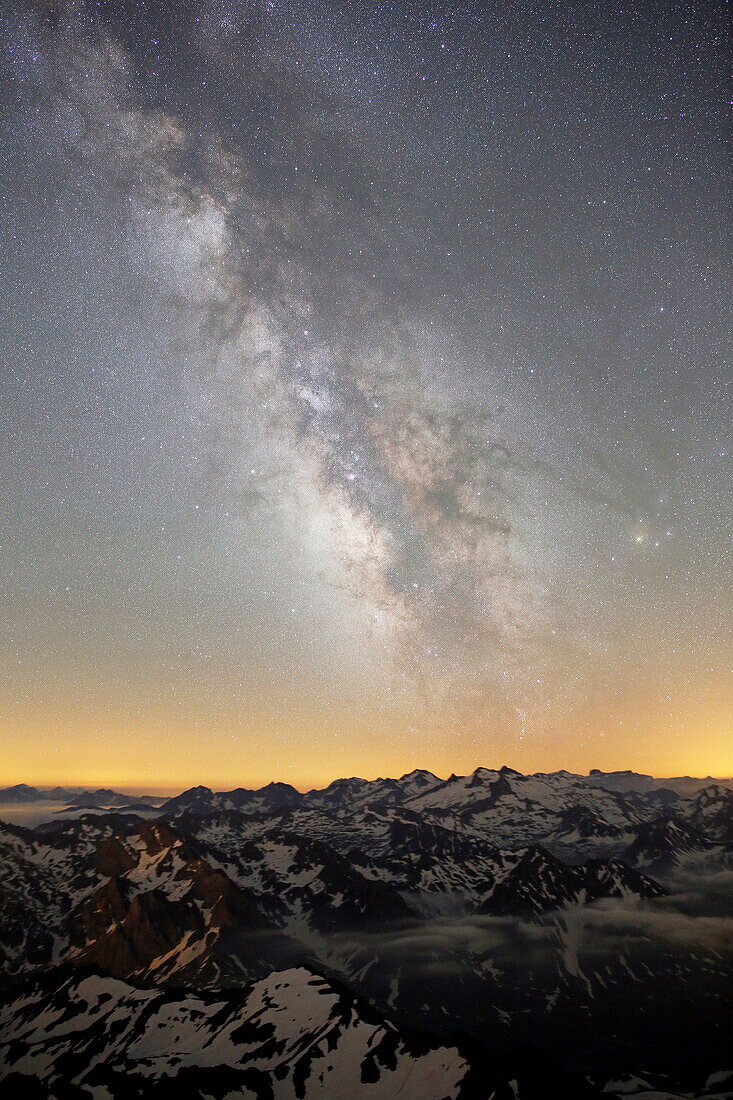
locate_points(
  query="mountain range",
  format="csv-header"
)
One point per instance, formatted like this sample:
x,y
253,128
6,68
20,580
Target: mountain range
x,y
490,920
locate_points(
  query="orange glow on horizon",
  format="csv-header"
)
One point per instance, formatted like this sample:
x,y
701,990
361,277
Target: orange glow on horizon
x,y
47,762
111,742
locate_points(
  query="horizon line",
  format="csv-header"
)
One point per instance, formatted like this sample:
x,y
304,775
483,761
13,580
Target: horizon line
x,y
160,790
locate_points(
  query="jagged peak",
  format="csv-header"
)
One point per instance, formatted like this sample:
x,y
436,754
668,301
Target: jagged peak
x,y
278,785
418,773
347,784
482,774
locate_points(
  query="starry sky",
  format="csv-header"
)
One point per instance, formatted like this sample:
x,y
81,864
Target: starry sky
x,y
364,389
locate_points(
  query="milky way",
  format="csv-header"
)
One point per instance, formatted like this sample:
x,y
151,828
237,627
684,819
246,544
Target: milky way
x,y
364,389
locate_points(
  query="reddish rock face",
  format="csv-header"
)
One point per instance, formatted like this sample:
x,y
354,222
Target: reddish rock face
x,y
149,926
107,906
208,885
112,857
166,914
156,836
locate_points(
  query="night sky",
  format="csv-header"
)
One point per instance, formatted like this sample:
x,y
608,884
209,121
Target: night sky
x,y
365,390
